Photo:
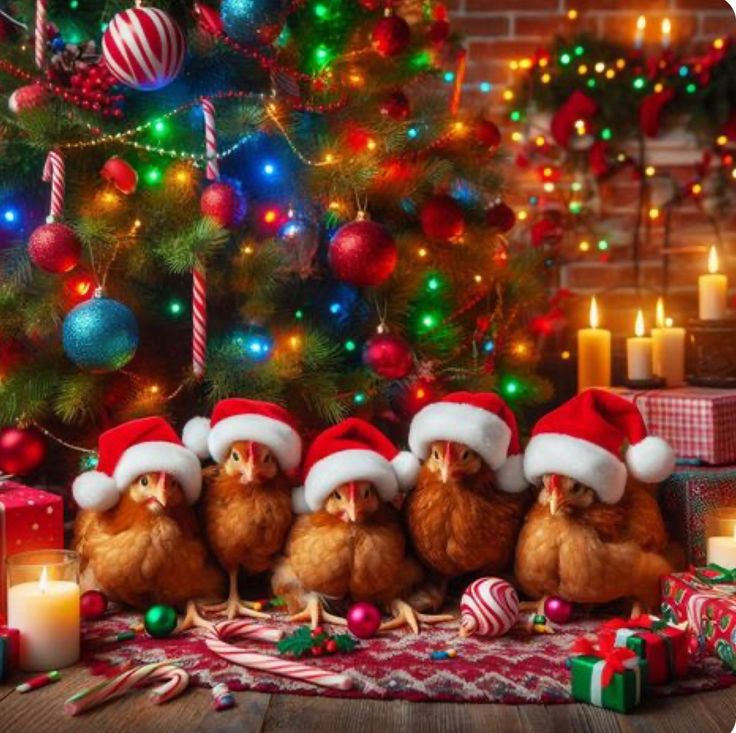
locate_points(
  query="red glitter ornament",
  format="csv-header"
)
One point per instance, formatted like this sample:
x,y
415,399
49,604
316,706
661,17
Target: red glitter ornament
x,y
391,36
487,134
92,605
21,451
362,253
26,98
396,106
442,219
389,356
54,248
501,217
221,202
121,174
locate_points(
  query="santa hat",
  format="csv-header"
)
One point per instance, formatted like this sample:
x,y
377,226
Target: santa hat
x,y
354,450
594,438
240,419
480,420
129,450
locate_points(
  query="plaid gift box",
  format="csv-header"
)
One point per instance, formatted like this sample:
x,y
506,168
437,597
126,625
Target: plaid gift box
x,y
697,422
9,651
621,691
686,498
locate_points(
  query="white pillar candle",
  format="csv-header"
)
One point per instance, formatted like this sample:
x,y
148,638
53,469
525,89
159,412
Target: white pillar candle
x,y
712,289
641,27
668,350
666,33
639,352
594,353
722,551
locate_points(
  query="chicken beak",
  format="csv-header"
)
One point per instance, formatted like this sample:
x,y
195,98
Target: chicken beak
x,y
160,492
352,510
445,463
248,469
555,497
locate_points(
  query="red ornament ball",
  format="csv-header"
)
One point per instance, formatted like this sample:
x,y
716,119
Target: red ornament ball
x,y
363,620
396,106
223,203
501,217
21,451
558,610
442,219
92,605
391,36
27,97
120,174
438,32
362,253
54,248
487,134
389,356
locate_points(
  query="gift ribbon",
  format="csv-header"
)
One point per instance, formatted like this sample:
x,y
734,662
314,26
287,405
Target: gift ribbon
x,y
714,574
613,659
597,679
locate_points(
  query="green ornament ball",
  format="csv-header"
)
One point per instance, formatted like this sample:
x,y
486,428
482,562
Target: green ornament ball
x,y
160,620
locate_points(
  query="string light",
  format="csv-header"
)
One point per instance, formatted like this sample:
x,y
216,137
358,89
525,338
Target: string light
x,y
154,389
295,342
696,189
650,170
610,73
421,252
176,307
10,216
718,44
522,215
654,213
247,250
299,314
600,67
722,140
603,245
540,141
582,69
350,345
508,95
584,246
620,63
517,136
658,87
546,78
359,398
565,59
478,278
572,14
270,216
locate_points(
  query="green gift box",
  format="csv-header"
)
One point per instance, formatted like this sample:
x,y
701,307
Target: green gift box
x,y
623,693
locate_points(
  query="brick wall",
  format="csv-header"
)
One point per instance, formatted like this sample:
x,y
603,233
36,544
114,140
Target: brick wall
x,y
499,31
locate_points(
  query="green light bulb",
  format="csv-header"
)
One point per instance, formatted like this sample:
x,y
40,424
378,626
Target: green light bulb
x,y
575,207
359,398
73,4
602,245
433,283
691,88
428,321
153,176
350,345
321,11
511,387
175,307
515,115
299,314
639,82
160,127
565,59
591,83
606,133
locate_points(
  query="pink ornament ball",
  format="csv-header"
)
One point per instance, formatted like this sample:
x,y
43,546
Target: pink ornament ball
x,y
489,607
92,605
363,620
558,610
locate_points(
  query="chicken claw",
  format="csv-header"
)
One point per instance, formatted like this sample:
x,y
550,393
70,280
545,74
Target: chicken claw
x,y
192,619
405,615
314,612
234,606
534,606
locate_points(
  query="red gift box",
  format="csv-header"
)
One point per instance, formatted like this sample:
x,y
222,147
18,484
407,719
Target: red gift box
x,y
30,519
10,645
696,421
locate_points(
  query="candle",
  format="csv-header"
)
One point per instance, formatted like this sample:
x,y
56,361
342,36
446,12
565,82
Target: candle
x,y
722,550
712,290
594,353
668,349
639,352
641,27
43,604
666,33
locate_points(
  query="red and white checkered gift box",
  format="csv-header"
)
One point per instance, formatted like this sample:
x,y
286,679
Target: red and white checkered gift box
x,y
699,423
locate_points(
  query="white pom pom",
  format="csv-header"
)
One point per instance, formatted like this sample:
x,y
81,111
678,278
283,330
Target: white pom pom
x,y
95,491
650,460
195,435
406,468
510,475
299,501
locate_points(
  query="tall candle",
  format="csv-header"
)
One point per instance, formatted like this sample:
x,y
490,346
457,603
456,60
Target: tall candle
x,y
722,550
668,350
666,33
712,289
639,352
641,27
594,353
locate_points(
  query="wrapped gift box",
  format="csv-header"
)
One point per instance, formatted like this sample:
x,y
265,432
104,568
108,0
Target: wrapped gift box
x,y
622,693
686,498
696,421
30,519
9,651
709,607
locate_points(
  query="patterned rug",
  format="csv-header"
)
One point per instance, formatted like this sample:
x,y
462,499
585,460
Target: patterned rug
x,y
514,669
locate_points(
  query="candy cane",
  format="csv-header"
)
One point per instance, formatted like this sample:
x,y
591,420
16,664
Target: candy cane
x,y
462,62
175,682
252,629
40,34
210,140
217,643
54,171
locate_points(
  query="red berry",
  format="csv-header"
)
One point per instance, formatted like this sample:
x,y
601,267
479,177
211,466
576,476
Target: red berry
x,y
331,646
318,631
317,651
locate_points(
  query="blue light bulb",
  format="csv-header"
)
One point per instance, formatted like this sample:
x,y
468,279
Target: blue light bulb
x,y
10,216
269,169
335,308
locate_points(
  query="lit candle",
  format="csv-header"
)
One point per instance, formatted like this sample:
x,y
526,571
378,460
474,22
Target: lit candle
x,y
639,352
666,33
45,610
712,290
594,353
668,350
641,27
722,550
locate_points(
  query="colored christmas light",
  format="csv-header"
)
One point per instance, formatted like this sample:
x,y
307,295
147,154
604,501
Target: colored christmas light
x,y
359,398
640,82
489,346
565,59
603,245
10,215
412,133
684,71
485,87
160,128
579,50
350,345
448,77
176,307
335,308
606,133
299,315
152,176
691,88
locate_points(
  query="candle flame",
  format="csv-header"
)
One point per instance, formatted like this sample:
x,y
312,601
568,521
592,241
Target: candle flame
x,y
660,314
43,581
666,27
641,23
639,325
594,318
713,260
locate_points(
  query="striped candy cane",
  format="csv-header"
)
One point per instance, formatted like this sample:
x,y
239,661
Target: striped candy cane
x,y
210,140
40,33
53,171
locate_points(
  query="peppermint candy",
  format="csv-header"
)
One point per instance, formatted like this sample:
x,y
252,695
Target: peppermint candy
x,y
489,607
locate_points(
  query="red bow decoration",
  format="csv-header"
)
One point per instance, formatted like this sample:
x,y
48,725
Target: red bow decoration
x,y
598,158
650,111
643,621
578,106
614,657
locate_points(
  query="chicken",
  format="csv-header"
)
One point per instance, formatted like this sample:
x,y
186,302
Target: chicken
x,y
574,546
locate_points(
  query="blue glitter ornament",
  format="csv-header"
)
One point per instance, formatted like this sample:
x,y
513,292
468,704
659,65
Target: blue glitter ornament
x,y
252,21
100,335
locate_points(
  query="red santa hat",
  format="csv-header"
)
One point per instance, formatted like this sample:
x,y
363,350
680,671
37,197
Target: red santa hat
x,y
480,420
354,450
594,438
125,452
241,419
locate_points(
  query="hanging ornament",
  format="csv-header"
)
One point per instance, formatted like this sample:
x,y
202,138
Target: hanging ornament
x,y
120,174
558,610
224,204
252,21
487,134
92,605
21,451
362,253
389,356
254,343
501,217
442,219
489,607
298,240
100,335
144,48
31,96
396,106
160,621
391,35
363,620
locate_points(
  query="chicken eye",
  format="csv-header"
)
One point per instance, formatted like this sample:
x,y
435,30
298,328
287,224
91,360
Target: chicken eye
x,y
465,455
366,492
235,456
435,454
336,495
577,488
267,458
144,481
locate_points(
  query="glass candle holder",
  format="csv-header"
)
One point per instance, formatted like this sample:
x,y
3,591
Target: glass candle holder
x,y
43,604
720,529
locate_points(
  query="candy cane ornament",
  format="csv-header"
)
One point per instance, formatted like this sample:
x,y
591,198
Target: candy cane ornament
x,y
54,172
40,32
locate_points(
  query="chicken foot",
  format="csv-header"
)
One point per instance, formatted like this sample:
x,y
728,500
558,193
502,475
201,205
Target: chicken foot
x,y
193,620
535,606
405,615
234,606
314,612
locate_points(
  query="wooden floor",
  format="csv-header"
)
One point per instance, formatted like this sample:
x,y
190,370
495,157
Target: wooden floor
x,y
41,711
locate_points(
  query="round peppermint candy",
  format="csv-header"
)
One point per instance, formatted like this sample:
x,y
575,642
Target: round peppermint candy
x,y
489,607
143,48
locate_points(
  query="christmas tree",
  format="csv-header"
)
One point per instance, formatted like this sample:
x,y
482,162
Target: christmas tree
x,y
279,200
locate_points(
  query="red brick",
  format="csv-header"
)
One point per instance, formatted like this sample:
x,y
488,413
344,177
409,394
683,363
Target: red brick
x,y
636,6
495,50
538,26
484,25
497,74
701,5
501,6
712,25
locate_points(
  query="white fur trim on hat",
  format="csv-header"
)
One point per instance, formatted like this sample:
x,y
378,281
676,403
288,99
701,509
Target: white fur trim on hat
x,y
195,435
299,501
95,491
510,475
406,467
486,433
282,439
349,465
586,462
158,455
650,460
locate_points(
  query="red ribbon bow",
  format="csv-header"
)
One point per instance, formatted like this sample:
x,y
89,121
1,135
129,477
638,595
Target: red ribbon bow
x,y
614,657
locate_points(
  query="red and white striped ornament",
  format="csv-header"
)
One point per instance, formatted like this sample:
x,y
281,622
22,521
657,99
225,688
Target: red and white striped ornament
x,y
55,173
144,48
40,32
489,607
